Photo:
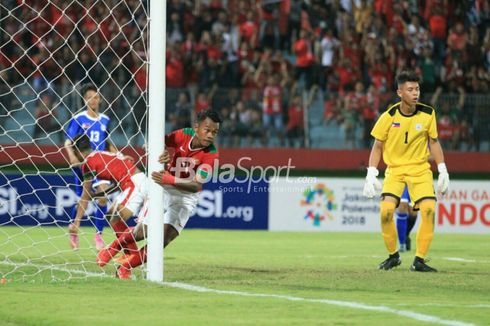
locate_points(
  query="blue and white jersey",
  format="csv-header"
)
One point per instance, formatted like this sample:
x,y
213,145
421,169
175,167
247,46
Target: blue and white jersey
x,y
97,129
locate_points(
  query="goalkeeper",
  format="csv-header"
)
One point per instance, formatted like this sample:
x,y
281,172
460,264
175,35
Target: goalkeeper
x,y
404,135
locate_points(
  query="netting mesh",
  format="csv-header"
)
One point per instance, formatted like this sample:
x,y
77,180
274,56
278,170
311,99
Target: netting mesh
x,y
49,49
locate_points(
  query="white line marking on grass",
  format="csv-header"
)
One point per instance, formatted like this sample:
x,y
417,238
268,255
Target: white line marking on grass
x,y
482,305
344,304
465,260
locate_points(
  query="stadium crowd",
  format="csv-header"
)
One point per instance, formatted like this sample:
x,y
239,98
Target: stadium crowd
x,y
263,62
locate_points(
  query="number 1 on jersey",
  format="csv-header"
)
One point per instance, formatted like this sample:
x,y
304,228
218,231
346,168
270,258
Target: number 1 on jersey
x,y
406,137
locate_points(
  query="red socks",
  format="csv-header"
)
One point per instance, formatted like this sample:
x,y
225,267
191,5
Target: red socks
x,y
123,232
119,227
137,259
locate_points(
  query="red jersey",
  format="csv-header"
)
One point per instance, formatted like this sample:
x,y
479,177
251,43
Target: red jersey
x,y
200,160
109,166
271,102
296,117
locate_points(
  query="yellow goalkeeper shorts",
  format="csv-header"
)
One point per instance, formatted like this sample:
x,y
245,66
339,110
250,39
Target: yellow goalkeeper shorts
x,y
419,187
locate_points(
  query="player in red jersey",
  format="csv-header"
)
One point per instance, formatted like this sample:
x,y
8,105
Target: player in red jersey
x,y
123,174
191,164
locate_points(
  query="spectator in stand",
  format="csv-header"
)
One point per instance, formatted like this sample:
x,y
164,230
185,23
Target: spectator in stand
x,y
182,112
269,23
249,30
332,109
5,91
445,128
255,130
175,28
362,14
305,59
370,108
457,40
326,49
428,71
174,69
272,107
46,120
295,129
438,26
202,102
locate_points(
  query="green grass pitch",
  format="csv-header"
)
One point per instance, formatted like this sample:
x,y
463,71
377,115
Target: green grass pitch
x,y
274,279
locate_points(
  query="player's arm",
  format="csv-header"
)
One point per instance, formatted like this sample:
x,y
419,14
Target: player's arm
x,y
72,158
438,155
372,183
72,132
165,178
436,150
376,152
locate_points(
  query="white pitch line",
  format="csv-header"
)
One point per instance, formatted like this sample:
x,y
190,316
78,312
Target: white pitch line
x,y
344,304
465,260
476,305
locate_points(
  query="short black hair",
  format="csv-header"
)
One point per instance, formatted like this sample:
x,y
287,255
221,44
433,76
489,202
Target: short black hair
x,y
407,76
211,114
88,87
82,143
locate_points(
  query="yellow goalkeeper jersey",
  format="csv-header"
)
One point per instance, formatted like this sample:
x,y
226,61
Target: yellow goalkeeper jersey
x,y
406,137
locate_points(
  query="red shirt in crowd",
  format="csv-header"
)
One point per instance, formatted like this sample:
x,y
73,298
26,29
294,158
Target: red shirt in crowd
x,y
175,72
296,118
437,25
272,100
304,53
445,128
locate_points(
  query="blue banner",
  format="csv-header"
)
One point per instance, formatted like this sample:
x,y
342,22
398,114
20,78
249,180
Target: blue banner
x,y
232,206
48,199
35,199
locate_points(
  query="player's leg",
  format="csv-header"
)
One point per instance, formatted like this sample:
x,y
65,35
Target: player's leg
x,y
100,213
402,220
392,190
129,202
73,227
422,191
412,219
175,219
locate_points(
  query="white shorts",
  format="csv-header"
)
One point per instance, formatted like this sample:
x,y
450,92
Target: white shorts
x,y
178,209
133,196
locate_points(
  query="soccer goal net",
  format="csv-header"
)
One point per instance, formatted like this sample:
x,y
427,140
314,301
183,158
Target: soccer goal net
x,y
50,50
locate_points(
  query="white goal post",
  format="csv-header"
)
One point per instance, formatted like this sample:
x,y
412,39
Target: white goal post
x,y
156,131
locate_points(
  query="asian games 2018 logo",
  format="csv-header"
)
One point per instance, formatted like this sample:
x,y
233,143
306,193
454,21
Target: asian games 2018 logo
x,y
320,202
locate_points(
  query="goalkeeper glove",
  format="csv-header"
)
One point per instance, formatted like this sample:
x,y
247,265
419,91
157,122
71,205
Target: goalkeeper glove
x,y
372,184
443,180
